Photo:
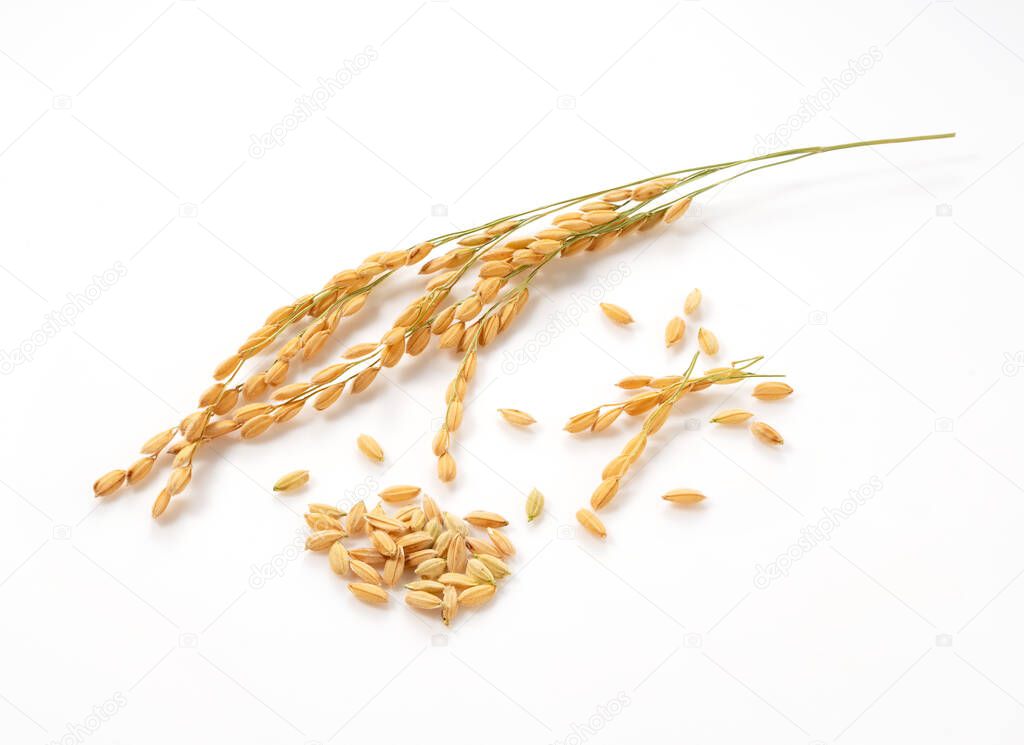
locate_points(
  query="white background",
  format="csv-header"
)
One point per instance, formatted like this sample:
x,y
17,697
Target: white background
x,y
886,284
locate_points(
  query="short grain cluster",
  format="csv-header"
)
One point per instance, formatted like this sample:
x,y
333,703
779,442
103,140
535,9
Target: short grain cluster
x,y
450,561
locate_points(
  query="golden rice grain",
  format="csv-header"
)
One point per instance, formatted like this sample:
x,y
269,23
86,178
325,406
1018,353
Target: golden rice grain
x,y
393,568
157,442
446,467
480,546
425,585
401,493
356,517
457,556
179,479
256,426
161,502
432,568
109,483
316,521
731,416
707,342
766,434
477,595
458,579
338,558
367,555
364,571
292,480
478,571
385,523
417,541
362,381
286,392
674,331
484,519
326,509
430,508
582,422
422,600
517,417
323,539
604,493
498,567
501,541
692,301
384,543
618,195
370,448
772,390
617,313
138,470
677,210
631,382
683,496
606,419
534,505
591,522
456,524
369,593
449,604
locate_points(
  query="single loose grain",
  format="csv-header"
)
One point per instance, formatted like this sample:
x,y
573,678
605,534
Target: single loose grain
x,y
401,493
591,522
291,481
731,416
617,313
369,593
683,496
534,505
517,417
692,302
674,331
766,434
707,342
370,448
772,390
484,519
